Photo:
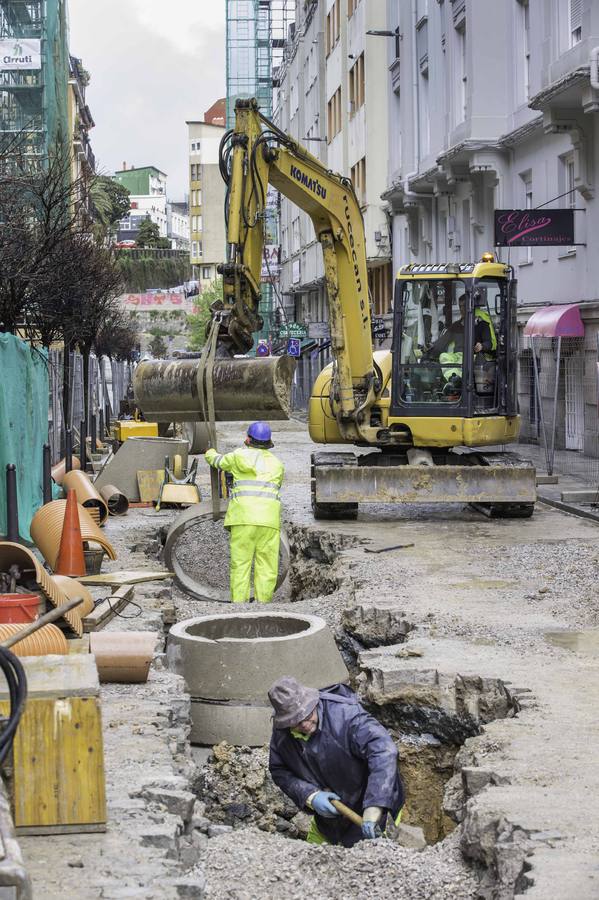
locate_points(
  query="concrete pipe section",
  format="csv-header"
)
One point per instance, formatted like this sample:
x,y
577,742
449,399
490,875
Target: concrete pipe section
x,y
244,389
229,662
197,551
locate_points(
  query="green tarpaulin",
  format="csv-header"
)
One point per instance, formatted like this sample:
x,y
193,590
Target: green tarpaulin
x,y
23,425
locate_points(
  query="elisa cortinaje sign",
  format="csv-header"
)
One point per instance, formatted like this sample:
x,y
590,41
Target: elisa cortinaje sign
x,y
533,228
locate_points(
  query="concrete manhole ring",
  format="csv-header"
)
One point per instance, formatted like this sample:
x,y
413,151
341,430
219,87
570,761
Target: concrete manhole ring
x,y
200,587
230,661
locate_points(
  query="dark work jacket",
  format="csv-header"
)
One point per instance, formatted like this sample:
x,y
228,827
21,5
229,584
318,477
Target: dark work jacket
x,y
350,754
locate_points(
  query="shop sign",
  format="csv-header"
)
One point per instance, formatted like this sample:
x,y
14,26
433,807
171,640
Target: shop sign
x,y
318,330
293,330
20,53
534,227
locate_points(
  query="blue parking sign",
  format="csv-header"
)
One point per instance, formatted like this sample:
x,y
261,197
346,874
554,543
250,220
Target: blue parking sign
x,y
294,347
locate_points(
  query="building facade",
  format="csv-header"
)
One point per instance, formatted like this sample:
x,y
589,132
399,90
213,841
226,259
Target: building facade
x,y
34,74
177,214
206,201
510,123
147,186
83,163
333,99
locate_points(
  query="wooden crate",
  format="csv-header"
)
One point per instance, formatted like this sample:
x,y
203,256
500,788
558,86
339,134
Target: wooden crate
x,y
57,780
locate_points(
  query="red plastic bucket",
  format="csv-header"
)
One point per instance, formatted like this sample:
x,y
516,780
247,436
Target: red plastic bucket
x,y
19,608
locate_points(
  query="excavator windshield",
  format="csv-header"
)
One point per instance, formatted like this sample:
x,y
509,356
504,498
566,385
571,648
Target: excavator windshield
x,y
432,340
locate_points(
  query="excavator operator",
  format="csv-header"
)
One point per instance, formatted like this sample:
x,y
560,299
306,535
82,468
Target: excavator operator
x,y
452,339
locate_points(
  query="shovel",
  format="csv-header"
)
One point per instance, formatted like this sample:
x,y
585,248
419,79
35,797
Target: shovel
x,y
347,812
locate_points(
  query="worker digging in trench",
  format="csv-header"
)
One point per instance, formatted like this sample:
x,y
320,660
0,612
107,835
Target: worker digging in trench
x,y
254,513
326,747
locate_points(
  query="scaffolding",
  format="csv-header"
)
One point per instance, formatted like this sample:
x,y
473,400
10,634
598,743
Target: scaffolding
x,y
257,32
33,102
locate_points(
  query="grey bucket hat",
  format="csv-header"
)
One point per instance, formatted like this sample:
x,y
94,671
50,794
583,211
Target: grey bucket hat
x,y
292,702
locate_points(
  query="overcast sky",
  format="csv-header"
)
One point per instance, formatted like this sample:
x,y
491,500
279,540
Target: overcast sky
x,y
153,64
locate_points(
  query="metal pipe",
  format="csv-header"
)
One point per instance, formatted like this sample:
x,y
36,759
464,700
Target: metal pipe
x,y
82,445
167,390
101,430
555,390
12,507
107,419
46,474
68,449
94,435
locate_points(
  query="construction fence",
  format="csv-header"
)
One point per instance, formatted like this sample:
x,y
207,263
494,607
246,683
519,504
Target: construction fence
x,y
558,396
109,382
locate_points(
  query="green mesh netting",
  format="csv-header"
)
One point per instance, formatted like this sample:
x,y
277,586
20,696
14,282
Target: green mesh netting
x,y
23,425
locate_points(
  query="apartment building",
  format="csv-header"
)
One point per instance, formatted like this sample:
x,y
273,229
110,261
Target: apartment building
x,y
147,186
333,99
509,123
177,213
206,200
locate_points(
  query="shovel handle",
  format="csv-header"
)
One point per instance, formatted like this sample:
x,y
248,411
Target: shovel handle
x,y
347,812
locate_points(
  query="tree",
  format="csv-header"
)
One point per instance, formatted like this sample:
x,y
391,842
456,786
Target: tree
x,y
158,347
148,234
111,202
198,322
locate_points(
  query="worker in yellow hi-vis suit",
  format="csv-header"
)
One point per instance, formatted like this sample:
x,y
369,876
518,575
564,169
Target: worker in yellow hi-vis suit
x,y
254,513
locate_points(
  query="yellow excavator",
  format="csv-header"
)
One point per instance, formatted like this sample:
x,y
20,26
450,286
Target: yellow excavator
x,y
427,408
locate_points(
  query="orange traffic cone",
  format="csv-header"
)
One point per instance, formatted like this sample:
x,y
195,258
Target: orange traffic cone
x,y
71,560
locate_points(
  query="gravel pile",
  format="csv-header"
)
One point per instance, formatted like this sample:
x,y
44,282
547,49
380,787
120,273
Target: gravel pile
x,y
251,865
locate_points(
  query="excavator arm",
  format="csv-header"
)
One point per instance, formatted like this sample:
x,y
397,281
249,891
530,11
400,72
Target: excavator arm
x,y
254,155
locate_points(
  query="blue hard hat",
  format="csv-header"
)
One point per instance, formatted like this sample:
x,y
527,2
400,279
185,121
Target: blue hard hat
x,y
260,431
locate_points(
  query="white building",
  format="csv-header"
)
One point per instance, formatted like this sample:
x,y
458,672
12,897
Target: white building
x,y
147,187
492,106
334,82
178,224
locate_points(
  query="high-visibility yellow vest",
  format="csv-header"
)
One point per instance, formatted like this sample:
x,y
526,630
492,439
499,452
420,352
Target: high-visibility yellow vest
x,y
257,479
484,316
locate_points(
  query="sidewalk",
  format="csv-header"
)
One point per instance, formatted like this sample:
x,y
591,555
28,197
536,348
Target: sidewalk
x,y
575,472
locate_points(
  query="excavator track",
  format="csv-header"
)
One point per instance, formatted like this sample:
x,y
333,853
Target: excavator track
x,y
504,510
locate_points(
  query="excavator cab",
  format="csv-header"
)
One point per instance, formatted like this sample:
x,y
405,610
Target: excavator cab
x,y
455,341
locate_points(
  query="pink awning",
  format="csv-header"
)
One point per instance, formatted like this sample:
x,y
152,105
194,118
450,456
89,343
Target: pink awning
x,y
555,321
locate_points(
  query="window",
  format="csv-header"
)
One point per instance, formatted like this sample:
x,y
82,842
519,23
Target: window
x,y
333,27
284,242
356,85
526,252
568,185
334,115
575,22
206,272
358,177
194,249
380,284
195,146
295,235
461,74
195,171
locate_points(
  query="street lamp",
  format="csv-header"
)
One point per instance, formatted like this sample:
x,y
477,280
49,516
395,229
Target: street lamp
x,y
395,33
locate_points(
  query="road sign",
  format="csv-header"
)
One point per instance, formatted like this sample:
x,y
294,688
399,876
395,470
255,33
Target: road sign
x,y
294,347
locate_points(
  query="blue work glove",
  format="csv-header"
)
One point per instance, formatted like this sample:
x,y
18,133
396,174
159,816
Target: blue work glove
x,y
320,803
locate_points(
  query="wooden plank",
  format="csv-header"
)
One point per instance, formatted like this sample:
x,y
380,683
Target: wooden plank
x,y
149,482
58,765
127,576
105,611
